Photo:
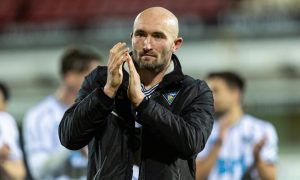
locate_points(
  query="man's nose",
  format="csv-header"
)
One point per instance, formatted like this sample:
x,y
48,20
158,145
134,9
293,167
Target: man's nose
x,y
147,43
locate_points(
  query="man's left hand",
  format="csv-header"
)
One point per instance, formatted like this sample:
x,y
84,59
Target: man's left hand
x,y
134,91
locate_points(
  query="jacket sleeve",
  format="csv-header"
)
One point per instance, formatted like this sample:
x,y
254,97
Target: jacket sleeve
x,y
186,133
86,116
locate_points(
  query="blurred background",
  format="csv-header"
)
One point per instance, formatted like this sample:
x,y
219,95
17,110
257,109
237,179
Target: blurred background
x,y
260,39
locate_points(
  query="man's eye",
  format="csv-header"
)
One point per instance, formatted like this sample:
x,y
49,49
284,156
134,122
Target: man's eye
x,y
159,36
140,34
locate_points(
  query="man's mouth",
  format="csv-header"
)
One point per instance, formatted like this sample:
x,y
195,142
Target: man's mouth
x,y
149,55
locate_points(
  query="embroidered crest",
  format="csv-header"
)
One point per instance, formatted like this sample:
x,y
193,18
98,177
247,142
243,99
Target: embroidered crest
x,y
170,96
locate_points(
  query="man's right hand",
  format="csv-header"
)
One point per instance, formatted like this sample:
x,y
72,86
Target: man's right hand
x,y
116,59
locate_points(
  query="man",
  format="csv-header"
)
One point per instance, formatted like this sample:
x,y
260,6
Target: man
x,y
45,156
240,146
11,159
149,96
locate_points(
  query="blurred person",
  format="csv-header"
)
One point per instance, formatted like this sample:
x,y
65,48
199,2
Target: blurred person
x,y
141,106
11,159
240,146
46,157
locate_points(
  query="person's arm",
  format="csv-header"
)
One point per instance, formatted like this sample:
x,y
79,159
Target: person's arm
x,y
94,103
187,133
10,169
265,154
11,164
266,171
205,165
13,169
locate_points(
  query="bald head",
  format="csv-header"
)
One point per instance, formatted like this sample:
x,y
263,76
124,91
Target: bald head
x,y
154,39
158,16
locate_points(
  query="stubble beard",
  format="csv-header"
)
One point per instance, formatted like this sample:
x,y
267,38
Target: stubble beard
x,y
156,66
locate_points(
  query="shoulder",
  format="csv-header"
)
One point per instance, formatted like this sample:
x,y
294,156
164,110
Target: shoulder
x,y
256,121
46,103
258,124
198,83
197,86
196,92
6,120
5,115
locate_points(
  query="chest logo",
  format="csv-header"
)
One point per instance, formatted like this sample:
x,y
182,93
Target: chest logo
x,y
170,97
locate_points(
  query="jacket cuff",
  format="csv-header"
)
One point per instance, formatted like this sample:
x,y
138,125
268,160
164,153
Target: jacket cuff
x,y
104,99
143,105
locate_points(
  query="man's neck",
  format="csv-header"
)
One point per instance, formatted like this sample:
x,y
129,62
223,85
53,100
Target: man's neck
x,y
235,114
150,79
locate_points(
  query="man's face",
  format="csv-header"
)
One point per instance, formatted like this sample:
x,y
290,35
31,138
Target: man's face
x,y
224,96
153,44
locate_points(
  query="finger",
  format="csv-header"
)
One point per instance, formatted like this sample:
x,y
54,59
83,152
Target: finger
x,y
122,53
131,66
115,51
120,59
118,67
116,57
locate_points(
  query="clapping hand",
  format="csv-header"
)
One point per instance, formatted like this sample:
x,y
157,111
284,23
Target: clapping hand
x,y
134,91
114,69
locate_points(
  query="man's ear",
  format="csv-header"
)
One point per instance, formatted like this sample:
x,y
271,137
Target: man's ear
x,y
131,34
177,44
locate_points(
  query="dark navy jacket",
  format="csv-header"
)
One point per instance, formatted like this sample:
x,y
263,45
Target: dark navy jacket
x,y
176,123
